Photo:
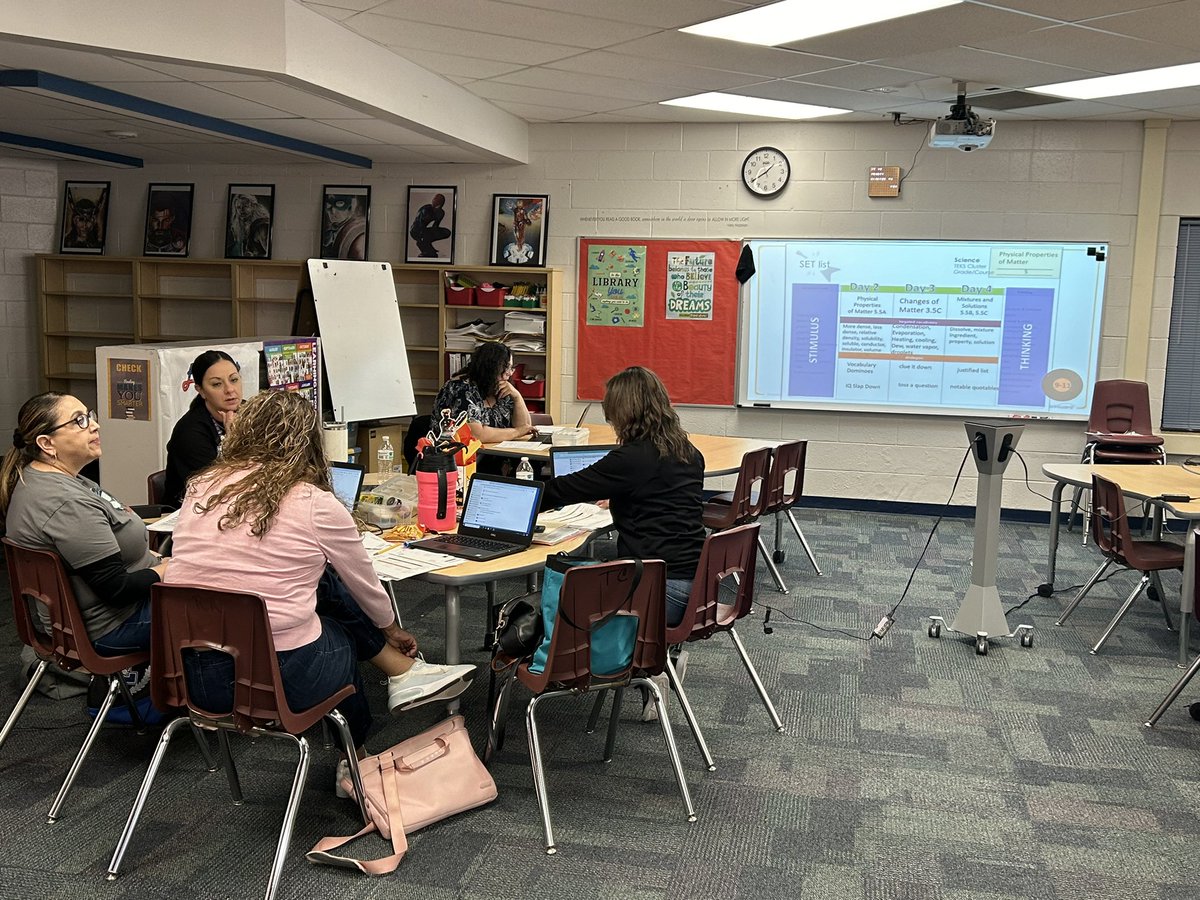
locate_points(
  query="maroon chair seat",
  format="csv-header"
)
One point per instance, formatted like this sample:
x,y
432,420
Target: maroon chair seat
x,y
192,617
38,578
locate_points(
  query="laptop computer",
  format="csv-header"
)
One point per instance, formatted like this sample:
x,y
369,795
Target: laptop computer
x,y
499,516
570,459
347,481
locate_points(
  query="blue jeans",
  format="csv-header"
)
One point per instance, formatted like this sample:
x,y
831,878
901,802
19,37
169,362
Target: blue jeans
x,y
678,591
309,673
130,636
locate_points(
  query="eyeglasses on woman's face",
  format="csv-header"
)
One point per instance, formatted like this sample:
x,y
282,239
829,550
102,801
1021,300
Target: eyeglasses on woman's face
x,y
82,421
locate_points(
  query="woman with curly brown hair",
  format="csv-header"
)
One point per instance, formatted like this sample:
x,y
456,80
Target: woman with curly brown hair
x,y
263,519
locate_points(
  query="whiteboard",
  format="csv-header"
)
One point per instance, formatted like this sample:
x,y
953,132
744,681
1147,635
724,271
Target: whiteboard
x,y
362,340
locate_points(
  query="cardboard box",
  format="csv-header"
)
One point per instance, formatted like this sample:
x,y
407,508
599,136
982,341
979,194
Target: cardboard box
x,y
371,439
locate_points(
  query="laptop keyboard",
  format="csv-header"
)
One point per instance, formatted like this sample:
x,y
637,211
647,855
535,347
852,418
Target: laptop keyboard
x,y
475,543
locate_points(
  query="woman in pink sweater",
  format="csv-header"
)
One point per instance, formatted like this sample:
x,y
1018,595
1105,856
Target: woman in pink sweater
x,y
263,520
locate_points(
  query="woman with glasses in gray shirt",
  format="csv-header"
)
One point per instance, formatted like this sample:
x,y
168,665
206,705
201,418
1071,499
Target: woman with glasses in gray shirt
x,y
45,504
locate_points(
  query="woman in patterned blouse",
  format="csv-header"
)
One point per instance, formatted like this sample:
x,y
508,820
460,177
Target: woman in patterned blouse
x,y
495,410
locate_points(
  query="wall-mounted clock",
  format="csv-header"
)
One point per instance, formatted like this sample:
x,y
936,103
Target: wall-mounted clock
x,y
766,171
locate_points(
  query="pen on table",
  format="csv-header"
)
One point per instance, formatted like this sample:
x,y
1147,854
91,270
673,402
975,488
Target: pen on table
x,y
390,548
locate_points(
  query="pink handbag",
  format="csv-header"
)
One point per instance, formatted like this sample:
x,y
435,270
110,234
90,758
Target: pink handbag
x,y
419,781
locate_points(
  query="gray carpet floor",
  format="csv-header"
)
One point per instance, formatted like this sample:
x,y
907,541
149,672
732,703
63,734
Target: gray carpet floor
x,y
911,768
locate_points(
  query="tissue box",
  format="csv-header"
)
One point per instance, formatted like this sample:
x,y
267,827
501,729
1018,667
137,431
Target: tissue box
x,y
569,437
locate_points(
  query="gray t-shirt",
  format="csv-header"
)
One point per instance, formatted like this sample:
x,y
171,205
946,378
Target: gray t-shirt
x,y
83,524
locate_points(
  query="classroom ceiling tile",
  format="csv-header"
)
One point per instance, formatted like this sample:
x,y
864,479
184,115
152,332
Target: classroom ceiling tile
x,y
504,20
1086,48
690,49
401,35
578,83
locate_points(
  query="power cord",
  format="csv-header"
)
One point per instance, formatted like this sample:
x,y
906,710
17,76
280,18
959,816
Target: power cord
x,y
889,619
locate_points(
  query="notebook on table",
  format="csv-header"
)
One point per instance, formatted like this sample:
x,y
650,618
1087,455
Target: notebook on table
x,y
499,516
570,459
347,479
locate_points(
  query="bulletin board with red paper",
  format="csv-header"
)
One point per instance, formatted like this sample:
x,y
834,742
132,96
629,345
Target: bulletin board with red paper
x,y
668,305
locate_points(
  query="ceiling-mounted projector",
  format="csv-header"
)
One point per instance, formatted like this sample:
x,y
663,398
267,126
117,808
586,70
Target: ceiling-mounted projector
x,y
962,129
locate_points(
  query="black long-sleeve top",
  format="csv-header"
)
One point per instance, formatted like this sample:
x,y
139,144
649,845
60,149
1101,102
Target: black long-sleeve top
x,y
193,446
656,504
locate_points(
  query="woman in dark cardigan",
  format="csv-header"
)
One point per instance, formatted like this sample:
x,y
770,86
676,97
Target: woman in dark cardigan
x,y
196,439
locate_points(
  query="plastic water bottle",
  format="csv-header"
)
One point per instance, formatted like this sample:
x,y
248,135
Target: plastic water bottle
x,y
524,469
386,456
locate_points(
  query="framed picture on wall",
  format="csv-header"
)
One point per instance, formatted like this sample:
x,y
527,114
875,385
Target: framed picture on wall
x,y
431,223
519,225
345,221
249,212
84,217
168,220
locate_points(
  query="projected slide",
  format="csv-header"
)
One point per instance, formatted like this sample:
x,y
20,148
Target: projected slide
x,y
1010,329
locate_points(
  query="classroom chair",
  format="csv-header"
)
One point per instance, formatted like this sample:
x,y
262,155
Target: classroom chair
x,y
1111,533
745,503
1187,676
728,559
785,487
589,595
39,579
199,618
1119,431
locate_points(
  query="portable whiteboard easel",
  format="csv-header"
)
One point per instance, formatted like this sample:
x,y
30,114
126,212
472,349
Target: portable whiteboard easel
x,y
352,306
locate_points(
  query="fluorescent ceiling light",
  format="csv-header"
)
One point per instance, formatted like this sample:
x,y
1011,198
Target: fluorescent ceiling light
x,y
795,20
753,106
1164,79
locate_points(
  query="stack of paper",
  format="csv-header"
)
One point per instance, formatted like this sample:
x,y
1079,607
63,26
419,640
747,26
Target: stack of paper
x,y
395,562
465,337
525,343
582,516
520,321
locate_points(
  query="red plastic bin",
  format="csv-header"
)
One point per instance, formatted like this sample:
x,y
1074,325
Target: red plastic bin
x,y
460,296
490,296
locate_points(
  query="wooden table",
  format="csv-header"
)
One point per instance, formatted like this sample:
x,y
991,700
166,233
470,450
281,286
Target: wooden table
x,y
722,453
1138,483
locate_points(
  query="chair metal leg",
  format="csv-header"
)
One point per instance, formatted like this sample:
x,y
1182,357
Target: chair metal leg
x,y
614,719
689,716
803,542
1091,582
360,795
672,748
539,774
231,775
289,815
771,567
1156,580
1174,693
23,700
113,687
758,685
139,801
1076,507
597,708
1125,607
489,618
202,743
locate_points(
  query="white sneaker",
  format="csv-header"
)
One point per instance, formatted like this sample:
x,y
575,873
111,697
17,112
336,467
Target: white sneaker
x,y
427,683
340,777
649,710
680,663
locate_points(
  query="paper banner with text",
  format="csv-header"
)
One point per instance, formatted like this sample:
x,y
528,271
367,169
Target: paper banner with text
x,y
616,285
690,285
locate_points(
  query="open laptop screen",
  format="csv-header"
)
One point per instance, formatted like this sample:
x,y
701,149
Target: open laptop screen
x,y
568,460
347,481
502,505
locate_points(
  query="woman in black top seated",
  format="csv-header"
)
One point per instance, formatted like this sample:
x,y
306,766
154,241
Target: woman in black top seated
x,y
197,436
653,482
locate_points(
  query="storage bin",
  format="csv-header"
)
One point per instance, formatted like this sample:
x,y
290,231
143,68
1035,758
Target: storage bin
x,y
531,388
490,296
460,296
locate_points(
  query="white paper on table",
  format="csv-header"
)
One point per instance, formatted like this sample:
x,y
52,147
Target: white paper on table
x,y
405,562
373,543
166,524
586,516
520,445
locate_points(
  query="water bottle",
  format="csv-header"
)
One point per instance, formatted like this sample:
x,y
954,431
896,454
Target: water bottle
x,y
524,469
386,456
437,479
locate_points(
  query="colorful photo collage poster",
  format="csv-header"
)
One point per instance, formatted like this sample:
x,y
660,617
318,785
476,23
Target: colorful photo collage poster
x,y
294,366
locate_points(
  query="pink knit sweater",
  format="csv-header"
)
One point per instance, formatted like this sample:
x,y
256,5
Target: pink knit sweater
x,y
284,566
